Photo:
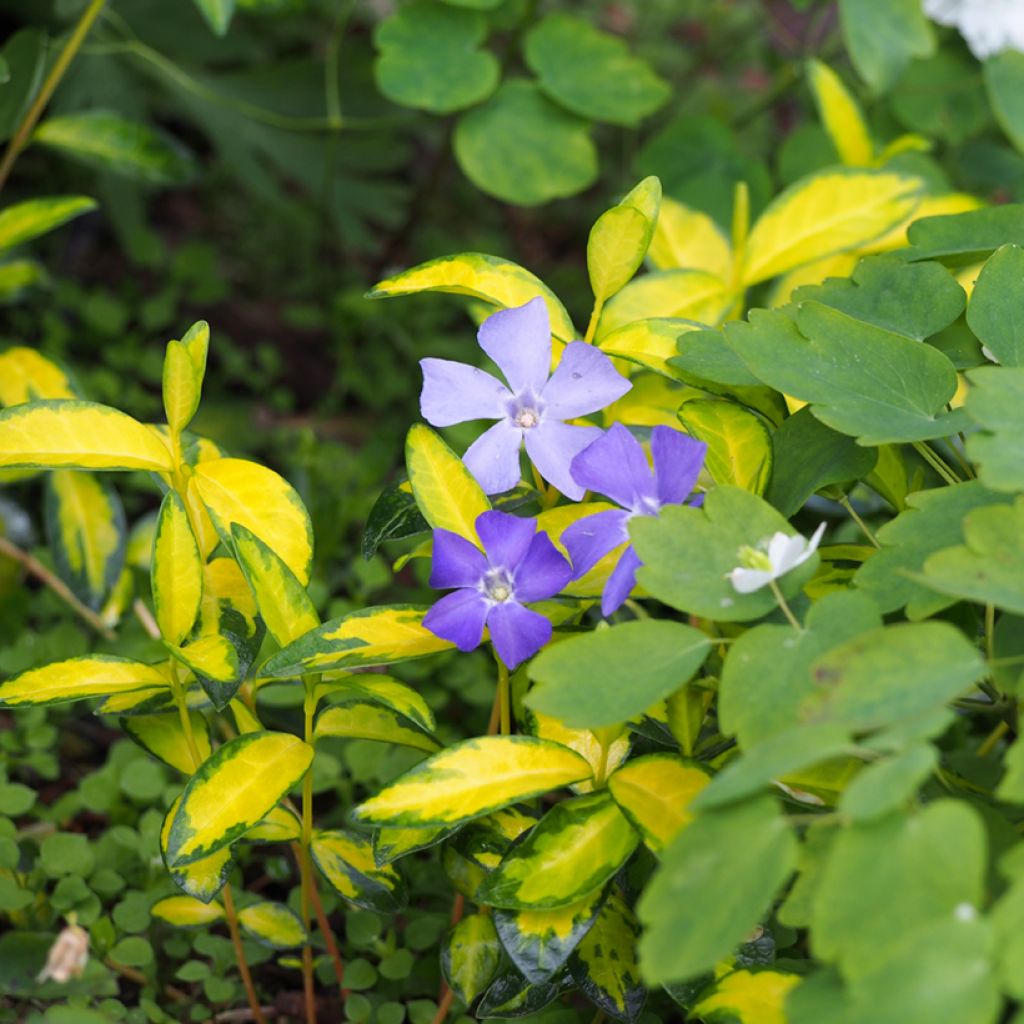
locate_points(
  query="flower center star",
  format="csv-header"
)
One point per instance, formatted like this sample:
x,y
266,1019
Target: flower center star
x,y
497,585
525,411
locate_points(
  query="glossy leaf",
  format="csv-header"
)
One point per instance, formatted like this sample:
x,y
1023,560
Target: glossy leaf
x,y
389,844
682,294
470,957
648,343
186,912
94,675
272,924
394,516
184,369
576,847
739,443
580,679
109,142
620,237
748,997
176,571
841,115
69,434
686,238
25,375
201,879
447,494
27,220
401,698
232,791
368,719
473,778
347,861
238,491
655,792
280,825
163,737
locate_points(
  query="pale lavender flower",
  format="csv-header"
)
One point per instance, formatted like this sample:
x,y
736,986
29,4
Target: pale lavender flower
x,y
517,566
615,465
532,409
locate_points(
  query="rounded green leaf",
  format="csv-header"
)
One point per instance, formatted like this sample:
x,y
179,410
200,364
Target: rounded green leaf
x,y
522,148
591,72
430,58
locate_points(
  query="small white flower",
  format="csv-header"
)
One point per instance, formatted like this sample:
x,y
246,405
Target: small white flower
x,y
965,912
68,955
781,553
988,26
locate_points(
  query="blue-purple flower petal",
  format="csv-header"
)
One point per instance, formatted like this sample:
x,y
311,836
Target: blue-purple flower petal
x,y
454,393
621,582
677,464
456,561
519,341
543,573
552,445
459,617
506,538
493,458
615,465
583,382
517,633
589,539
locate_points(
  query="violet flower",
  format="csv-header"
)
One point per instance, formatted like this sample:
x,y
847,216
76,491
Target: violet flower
x,y
615,465
517,565
532,409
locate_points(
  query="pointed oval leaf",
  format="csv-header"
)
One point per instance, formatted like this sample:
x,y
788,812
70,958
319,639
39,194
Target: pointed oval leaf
x,y
620,237
243,492
23,221
347,861
474,778
739,443
649,343
577,846
748,997
26,376
95,675
687,239
182,383
402,699
367,719
841,115
279,826
686,294
232,791
176,571
163,737
203,878
186,912
69,434
470,956
272,924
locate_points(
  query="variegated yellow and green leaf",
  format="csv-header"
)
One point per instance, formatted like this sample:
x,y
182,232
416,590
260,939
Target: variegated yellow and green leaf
x,y
279,826
511,995
346,860
228,605
445,491
272,924
186,912
739,443
401,698
391,843
604,753
688,239
86,531
470,957
70,434
465,874
219,663
26,376
655,792
139,551
164,738
747,997
574,849
176,571
539,942
202,525
498,282
245,718
94,675
119,598
238,491
648,343
678,294
21,222
285,607
373,636
184,369
604,964
152,701
474,778
620,237
368,719
234,790
203,878
841,115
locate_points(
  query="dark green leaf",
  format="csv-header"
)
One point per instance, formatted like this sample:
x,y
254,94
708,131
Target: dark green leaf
x,y
1004,79
394,516
882,36
963,238
25,55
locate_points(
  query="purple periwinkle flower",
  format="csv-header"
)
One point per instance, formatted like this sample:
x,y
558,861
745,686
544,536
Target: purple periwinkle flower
x,y
615,465
517,565
533,409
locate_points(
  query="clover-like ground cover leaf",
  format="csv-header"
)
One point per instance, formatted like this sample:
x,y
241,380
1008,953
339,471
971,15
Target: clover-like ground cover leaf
x,y
430,58
524,149
996,403
932,521
989,566
861,380
892,673
994,314
912,869
687,554
959,239
581,680
592,73
886,785
913,299
724,869
883,36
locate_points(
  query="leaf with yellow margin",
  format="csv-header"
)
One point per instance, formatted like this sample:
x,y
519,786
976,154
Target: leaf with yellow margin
x,y
400,697
470,956
203,878
94,675
272,924
163,737
687,294
747,997
649,343
26,376
186,912
347,861
367,719
687,239
739,444
841,115
176,571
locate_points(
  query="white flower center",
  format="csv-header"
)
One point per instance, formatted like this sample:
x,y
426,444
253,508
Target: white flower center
x,y
497,585
527,418
525,410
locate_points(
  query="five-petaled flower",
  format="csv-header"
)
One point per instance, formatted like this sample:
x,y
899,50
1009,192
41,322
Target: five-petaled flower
x,y
615,465
773,558
517,565
533,409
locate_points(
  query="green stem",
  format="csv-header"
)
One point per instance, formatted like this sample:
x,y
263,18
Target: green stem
x,y
595,316
990,632
786,610
20,138
987,746
332,93
937,463
504,699
305,872
852,512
